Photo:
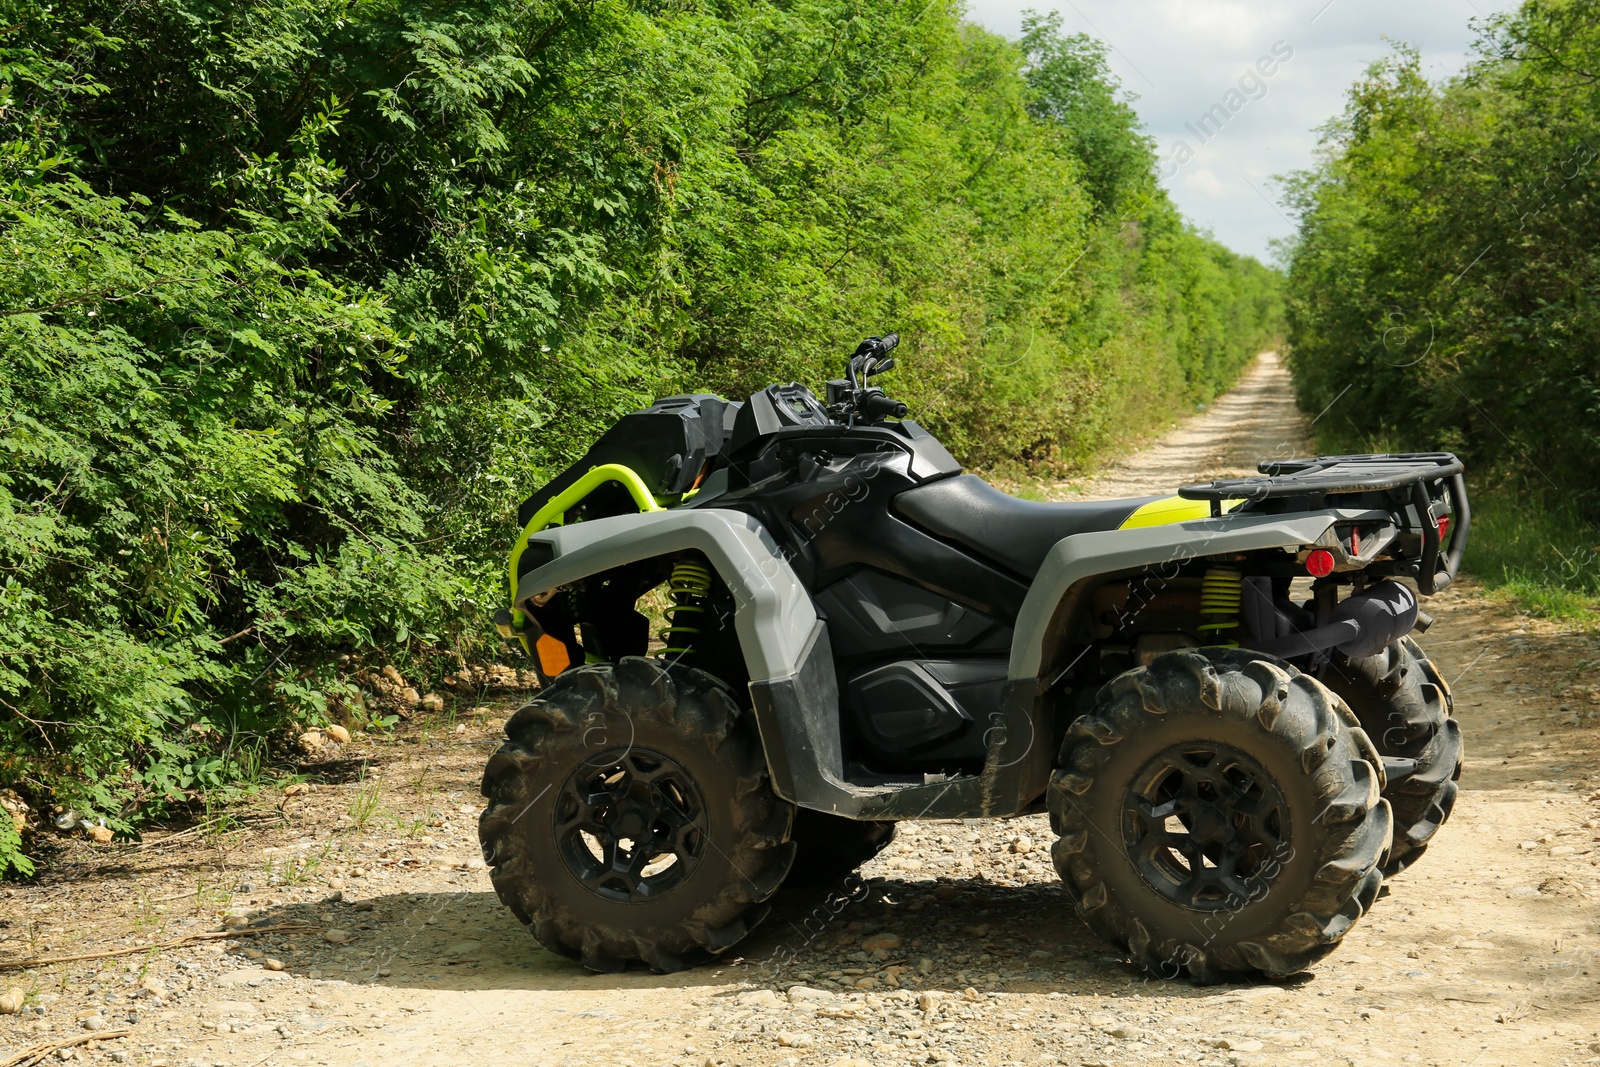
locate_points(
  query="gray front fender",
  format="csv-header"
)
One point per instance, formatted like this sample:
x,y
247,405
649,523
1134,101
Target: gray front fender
x,y
1086,555
774,616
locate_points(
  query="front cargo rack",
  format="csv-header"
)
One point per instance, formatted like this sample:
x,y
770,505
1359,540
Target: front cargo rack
x,y
1397,479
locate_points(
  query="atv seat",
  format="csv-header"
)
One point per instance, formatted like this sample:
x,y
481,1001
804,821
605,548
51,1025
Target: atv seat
x,y
1012,532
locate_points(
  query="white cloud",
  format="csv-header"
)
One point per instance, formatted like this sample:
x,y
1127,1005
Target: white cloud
x,y
1182,57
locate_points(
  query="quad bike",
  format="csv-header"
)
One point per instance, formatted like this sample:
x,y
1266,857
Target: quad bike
x,y
1214,695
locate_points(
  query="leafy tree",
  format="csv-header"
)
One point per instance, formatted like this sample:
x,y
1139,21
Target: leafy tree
x,y
299,299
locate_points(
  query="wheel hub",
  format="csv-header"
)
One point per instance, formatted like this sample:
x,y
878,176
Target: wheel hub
x,y
630,824
1206,826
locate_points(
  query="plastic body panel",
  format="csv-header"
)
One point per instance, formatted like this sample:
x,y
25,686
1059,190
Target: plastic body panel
x,y
1084,556
774,615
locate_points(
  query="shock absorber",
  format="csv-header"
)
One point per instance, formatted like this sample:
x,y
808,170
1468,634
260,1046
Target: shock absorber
x,y
1221,595
689,589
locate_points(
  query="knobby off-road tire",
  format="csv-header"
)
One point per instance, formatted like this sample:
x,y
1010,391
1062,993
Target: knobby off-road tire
x,y
630,817
1405,707
1219,816
828,847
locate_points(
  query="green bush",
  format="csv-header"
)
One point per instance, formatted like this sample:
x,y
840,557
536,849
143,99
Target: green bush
x,y
1442,289
298,300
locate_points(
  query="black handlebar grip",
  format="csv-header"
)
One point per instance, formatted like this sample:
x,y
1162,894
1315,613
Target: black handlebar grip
x,y
879,406
888,341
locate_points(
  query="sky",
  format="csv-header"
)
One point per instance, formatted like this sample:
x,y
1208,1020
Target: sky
x,y
1181,59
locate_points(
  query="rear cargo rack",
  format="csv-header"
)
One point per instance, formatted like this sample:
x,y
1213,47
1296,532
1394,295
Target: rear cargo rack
x,y
1415,478
1330,476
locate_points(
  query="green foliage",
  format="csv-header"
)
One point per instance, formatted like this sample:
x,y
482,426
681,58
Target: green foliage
x,y
1442,292
298,299
12,858
1546,557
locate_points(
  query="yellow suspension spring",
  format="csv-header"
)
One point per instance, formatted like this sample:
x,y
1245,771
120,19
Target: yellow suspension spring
x,y
690,591
1221,595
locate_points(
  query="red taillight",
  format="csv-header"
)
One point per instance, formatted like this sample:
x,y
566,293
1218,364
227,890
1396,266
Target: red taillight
x,y
1319,564
1444,528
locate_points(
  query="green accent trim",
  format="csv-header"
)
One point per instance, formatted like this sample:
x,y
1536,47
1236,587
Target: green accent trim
x,y
1170,509
555,509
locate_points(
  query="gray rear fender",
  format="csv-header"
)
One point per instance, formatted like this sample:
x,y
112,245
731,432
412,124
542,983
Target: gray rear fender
x,y
1074,566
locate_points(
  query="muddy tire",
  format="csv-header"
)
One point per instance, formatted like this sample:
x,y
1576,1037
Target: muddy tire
x,y
828,847
1405,707
630,818
1219,817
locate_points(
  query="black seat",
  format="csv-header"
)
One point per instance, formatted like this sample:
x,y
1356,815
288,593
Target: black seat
x,y
1012,532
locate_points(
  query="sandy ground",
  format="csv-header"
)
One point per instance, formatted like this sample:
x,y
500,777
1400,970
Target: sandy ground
x,y
958,947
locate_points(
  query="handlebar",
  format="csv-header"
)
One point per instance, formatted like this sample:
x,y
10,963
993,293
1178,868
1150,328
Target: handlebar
x,y
878,406
852,397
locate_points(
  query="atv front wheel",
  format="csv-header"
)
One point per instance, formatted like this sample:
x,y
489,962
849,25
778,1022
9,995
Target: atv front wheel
x,y
831,846
1219,817
630,817
1405,707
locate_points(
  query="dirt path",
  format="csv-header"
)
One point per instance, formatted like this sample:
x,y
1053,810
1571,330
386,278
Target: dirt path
x,y
1486,953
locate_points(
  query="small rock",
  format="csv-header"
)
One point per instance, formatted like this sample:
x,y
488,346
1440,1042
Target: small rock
x,y
461,728
271,964
11,1001
93,1022
924,966
884,942
801,994
119,1055
409,696
756,998
337,894
295,789
433,702
235,921
1131,1033
311,740
65,1053
363,905
100,835
336,937
1563,850
339,734
150,986
1528,846
788,1039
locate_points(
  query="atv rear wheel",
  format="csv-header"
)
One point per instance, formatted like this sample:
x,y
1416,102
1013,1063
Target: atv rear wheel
x,y
630,817
1219,816
1405,707
831,846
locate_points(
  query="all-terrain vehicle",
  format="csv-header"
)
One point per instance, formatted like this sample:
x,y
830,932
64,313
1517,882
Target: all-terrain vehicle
x,y
1214,695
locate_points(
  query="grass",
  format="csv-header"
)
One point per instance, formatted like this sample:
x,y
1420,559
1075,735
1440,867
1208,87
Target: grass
x,y
1543,558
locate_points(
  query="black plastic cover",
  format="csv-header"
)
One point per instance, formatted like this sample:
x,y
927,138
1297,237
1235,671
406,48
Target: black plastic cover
x,y
912,711
668,445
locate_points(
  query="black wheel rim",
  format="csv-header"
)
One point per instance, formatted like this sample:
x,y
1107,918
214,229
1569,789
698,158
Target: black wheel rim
x,y
1206,826
629,824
